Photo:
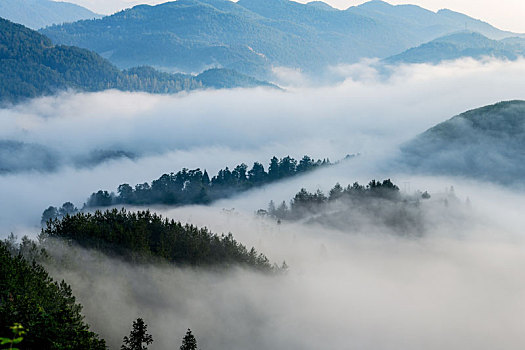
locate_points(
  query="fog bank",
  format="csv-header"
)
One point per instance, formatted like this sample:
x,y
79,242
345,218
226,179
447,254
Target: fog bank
x,y
459,286
364,114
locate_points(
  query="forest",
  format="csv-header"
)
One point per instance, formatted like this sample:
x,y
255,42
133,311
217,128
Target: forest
x,y
37,312
31,66
194,186
41,311
148,237
352,207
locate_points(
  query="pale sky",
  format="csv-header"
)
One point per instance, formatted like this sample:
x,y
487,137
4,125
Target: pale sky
x,y
504,14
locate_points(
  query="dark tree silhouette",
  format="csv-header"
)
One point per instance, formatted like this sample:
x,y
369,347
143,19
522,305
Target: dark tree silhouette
x,y
189,342
138,339
46,308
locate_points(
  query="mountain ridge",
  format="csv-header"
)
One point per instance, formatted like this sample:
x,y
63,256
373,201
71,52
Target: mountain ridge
x,y
36,14
460,45
32,66
253,36
485,143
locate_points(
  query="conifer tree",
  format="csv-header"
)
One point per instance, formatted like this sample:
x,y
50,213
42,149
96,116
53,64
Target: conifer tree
x,y
137,337
189,342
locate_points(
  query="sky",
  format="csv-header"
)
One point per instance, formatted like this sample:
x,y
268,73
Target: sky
x,y
504,14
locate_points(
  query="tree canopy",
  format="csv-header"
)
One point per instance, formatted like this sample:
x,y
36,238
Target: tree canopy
x,y
145,236
138,339
189,342
45,308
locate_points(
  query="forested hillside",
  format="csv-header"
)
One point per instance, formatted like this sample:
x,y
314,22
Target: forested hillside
x,y
485,143
194,186
47,311
31,66
356,207
253,36
147,237
459,45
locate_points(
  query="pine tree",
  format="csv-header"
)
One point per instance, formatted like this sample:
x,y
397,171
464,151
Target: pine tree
x,y
137,337
189,342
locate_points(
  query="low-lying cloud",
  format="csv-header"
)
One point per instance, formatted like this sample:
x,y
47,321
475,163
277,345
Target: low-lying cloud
x,y
214,129
459,286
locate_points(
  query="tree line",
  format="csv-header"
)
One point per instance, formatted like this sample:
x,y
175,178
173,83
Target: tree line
x,y
194,186
144,237
305,202
46,308
37,312
355,207
139,338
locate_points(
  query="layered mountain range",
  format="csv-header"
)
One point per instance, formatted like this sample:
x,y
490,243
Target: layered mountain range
x,y
252,36
31,66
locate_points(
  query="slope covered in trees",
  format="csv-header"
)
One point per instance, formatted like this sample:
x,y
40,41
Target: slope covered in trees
x,y
252,36
144,236
31,66
356,207
194,186
459,45
46,309
485,143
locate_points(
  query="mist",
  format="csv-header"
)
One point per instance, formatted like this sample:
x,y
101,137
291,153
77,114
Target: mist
x,y
460,285
364,114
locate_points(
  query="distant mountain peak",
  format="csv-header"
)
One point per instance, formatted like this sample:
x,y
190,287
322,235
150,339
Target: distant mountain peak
x,y
375,4
321,5
37,14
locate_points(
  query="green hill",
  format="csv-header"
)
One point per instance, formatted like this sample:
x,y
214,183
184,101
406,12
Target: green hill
x,y
486,143
31,66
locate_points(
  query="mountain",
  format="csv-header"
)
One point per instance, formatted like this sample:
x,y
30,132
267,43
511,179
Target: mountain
x,y
487,143
31,66
252,36
461,44
426,22
226,79
37,14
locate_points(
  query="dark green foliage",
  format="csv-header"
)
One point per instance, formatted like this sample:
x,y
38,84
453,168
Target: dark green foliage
x,y
47,309
195,187
189,342
145,236
138,339
18,336
305,202
355,207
